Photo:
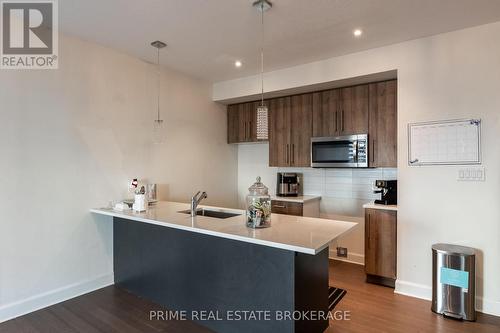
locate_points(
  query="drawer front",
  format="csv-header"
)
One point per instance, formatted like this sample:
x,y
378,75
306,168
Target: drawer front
x,y
287,208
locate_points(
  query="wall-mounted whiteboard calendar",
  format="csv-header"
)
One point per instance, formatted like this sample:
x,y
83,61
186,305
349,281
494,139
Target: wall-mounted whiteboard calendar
x,y
448,142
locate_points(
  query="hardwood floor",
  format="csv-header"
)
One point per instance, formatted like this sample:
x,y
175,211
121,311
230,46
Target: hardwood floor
x,y
108,310
372,308
375,308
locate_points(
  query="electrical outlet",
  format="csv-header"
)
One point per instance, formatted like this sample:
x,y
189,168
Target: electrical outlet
x,y
342,252
474,174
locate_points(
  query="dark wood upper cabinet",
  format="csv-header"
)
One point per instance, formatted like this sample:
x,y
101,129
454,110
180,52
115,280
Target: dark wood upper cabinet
x,y
380,243
354,110
383,124
293,120
290,129
279,131
242,122
341,111
301,130
233,126
325,113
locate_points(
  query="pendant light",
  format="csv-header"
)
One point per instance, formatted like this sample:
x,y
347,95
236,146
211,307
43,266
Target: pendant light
x,y
158,124
262,111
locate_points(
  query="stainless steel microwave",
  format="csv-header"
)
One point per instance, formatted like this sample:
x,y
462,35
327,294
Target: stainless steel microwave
x,y
349,151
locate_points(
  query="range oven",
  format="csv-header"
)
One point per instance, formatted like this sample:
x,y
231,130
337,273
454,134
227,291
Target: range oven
x,y
349,151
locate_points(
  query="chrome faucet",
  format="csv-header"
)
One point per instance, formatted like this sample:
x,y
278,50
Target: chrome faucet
x,y
195,201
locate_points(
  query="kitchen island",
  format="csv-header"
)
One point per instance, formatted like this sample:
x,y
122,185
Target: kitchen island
x,y
224,275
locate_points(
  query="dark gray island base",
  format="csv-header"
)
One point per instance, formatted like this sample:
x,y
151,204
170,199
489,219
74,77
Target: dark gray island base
x,y
193,272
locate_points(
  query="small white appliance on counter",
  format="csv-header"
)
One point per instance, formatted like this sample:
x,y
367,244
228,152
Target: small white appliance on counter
x,y
140,203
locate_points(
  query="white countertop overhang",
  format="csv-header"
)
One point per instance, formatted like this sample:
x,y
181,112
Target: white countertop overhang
x,y
294,233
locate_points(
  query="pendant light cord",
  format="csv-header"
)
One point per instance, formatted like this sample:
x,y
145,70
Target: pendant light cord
x,y
159,84
262,54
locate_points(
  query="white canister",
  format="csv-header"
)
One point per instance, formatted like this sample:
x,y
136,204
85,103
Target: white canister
x,y
140,203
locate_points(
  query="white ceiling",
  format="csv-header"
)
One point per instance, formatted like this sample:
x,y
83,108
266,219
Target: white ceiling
x,y
205,37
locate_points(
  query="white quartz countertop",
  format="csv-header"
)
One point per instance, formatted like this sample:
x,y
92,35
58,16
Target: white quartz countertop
x,y
372,205
300,199
294,233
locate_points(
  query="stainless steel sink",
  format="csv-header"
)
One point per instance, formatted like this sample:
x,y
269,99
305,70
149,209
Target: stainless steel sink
x,y
211,213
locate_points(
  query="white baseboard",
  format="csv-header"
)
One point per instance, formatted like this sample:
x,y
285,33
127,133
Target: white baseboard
x,y
425,292
40,301
413,290
353,258
487,306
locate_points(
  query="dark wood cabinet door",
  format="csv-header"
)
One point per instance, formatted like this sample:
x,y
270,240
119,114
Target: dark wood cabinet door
x,y
326,113
252,121
380,242
287,208
233,129
242,122
238,130
383,124
301,130
353,115
279,132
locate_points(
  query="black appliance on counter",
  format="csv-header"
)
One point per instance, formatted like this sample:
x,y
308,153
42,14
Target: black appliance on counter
x,y
288,184
388,190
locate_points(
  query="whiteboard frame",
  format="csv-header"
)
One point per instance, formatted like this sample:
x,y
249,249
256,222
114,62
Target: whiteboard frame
x,y
472,121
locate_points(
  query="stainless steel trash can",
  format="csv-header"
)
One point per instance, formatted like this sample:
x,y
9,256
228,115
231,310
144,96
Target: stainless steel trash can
x,y
454,281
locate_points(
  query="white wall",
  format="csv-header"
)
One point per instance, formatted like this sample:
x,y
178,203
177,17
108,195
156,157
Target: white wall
x,y
71,139
452,75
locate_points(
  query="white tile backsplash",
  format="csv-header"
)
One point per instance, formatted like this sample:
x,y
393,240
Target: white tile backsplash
x,y
342,183
388,174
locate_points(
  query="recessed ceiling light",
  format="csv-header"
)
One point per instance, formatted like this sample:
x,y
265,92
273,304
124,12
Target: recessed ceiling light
x,y
238,64
357,32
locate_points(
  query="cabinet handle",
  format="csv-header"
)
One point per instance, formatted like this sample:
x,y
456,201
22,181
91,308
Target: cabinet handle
x,y
250,130
286,153
336,121
373,151
293,153
245,136
279,206
369,231
342,116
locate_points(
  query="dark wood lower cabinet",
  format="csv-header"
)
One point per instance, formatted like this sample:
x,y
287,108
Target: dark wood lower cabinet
x,y
287,208
380,246
307,208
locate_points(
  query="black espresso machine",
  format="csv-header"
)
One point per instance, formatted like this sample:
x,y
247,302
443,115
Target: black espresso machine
x,y
288,184
388,190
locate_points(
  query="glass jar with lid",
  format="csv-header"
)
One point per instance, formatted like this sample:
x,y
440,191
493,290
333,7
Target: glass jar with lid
x,y
258,206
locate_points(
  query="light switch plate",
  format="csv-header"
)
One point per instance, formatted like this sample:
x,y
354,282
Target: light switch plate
x,y
473,174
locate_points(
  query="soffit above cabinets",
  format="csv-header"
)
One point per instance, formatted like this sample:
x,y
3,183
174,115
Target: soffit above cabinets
x,y
352,81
